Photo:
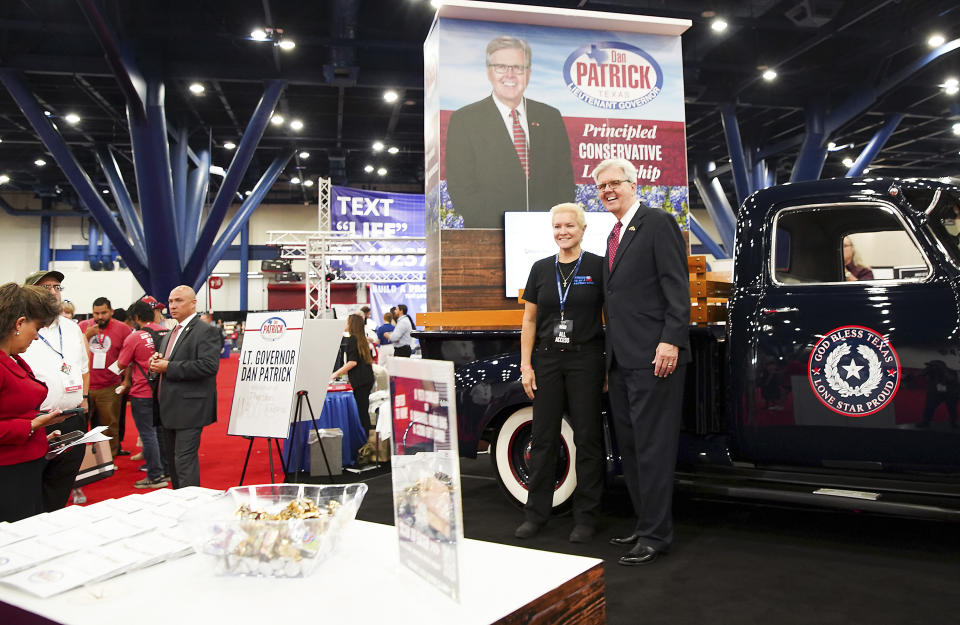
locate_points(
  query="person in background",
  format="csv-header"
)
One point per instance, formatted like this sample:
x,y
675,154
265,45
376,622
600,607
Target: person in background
x,y
23,438
59,360
164,322
135,360
368,321
67,309
561,368
188,361
400,337
105,337
357,360
386,327
852,265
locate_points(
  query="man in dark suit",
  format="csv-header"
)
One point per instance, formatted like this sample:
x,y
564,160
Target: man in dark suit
x,y
188,361
647,342
506,152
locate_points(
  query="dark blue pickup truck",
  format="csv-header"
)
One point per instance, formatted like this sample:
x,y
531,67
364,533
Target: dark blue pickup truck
x,y
820,389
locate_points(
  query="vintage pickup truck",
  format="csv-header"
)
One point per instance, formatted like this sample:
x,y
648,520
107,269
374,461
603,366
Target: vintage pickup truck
x,y
818,389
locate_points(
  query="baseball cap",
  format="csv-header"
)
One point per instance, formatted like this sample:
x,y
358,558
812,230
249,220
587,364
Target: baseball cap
x,y
152,301
37,276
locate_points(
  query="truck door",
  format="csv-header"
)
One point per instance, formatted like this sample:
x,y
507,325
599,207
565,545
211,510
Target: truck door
x,y
857,353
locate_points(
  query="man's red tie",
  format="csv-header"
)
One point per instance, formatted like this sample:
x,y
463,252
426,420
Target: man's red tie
x,y
614,242
520,142
173,337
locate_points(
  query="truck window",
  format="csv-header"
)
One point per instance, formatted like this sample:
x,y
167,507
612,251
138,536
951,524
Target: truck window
x,y
944,221
844,244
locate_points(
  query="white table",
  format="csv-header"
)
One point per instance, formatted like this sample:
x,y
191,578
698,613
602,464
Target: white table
x,y
363,583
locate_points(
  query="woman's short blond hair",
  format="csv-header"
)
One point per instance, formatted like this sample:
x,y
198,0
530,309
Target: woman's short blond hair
x,y
570,207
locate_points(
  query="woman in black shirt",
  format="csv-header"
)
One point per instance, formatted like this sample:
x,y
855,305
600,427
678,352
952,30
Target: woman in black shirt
x,y
357,365
562,370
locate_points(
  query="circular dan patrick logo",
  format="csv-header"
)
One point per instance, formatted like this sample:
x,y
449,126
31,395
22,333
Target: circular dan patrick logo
x,y
613,75
272,329
854,371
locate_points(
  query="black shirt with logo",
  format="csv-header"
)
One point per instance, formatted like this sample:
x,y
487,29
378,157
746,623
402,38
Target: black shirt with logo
x,y
584,305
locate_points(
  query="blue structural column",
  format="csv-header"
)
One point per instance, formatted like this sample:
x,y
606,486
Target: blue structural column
x,y
45,223
711,192
243,214
179,163
731,131
93,246
244,265
198,180
705,239
874,146
151,157
241,160
124,203
813,152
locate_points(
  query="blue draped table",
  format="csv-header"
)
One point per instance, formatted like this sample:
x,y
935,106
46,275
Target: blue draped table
x,y
339,411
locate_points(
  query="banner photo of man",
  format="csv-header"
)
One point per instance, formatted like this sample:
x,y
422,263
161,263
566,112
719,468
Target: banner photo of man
x,y
527,112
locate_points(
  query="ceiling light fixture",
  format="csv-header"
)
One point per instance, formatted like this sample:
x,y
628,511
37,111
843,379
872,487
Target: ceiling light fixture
x,y
378,146
295,180
229,145
769,75
368,168
72,119
247,192
393,149
48,114
106,192
951,86
956,129
847,162
4,179
196,88
390,95
719,25
287,44
258,34
304,154
277,120
40,162
936,40
296,124
308,183
382,171
866,170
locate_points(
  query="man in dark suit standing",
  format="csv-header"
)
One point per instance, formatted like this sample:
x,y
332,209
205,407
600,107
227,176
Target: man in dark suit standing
x,y
187,362
647,342
507,152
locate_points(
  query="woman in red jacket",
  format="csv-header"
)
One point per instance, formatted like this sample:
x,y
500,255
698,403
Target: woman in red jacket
x,y
23,442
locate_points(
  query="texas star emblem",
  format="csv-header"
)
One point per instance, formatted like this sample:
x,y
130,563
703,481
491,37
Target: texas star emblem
x,y
854,371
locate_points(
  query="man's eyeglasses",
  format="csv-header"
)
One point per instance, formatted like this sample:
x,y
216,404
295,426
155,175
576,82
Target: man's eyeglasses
x,y
501,69
609,185
51,287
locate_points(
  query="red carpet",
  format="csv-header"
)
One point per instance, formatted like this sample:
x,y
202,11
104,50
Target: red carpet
x,y
221,456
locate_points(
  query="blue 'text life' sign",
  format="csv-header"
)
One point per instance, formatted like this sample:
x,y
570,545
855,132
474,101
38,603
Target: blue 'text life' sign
x,y
377,214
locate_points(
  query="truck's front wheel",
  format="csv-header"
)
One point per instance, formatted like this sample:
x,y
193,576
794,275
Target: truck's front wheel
x,y
510,454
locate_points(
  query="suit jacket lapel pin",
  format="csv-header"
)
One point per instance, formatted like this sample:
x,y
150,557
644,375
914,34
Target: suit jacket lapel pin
x,y
535,124
632,228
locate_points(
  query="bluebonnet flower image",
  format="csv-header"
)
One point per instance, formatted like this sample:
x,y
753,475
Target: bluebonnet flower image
x,y
449,219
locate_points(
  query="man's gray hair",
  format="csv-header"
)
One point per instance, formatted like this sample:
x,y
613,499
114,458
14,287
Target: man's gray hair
x,y
509,43
629,171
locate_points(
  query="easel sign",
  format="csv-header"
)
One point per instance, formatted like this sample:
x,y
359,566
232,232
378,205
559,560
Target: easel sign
x,y
428,511
283,353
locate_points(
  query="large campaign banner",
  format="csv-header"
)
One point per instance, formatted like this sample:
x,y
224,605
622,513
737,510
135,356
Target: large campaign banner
x,y
378,215
526,112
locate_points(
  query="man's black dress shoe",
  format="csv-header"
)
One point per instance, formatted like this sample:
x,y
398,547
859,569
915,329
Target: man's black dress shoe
x,y
624,540
527,529
640,554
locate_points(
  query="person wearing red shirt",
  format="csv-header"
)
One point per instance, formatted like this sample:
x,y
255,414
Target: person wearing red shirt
x,y
137,349
105,337
23,440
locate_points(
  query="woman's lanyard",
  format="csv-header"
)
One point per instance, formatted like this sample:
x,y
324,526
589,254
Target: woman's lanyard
x,y
562,293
